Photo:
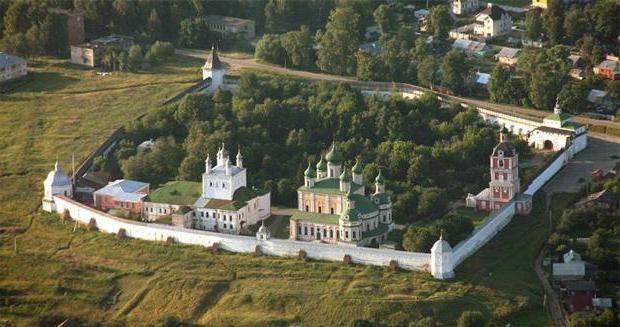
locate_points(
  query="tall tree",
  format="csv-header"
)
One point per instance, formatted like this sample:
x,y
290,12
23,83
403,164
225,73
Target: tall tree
x,y
553,19
339,42
533,25
454,71
298,46
427,72
439,21
384,18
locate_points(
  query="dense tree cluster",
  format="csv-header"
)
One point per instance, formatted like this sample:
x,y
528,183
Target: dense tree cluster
x,y
281,124
455,228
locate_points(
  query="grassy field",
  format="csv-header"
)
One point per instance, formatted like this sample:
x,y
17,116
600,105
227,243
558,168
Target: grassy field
x,y
58,273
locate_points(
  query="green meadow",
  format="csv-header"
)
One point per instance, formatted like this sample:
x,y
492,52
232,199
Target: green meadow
x,y
53,270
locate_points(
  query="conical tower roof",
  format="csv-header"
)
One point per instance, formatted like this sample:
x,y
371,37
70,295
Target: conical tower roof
x,y
213,60
310,171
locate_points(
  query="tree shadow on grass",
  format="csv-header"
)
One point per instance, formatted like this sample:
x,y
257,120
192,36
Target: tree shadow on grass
x,y
39,82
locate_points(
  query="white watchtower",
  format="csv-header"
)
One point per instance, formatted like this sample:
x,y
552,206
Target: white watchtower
x,y
56,183
441,259
213,69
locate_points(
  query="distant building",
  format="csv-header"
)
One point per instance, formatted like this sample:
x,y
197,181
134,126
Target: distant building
x,y
123,195
90,54
508,56
505,183
578,294
465,32
231,25
482,79
606,199
333,207
373,47
540,3
11,67
463,7
146,145
213,69
608,68
599,100
474,48
492,21
74,24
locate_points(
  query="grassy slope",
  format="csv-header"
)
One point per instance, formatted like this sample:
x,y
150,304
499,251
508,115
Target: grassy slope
x,y
91,276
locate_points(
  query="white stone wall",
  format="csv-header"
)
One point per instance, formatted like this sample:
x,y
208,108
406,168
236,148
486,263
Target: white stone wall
x,y
483,233
235,243
549,172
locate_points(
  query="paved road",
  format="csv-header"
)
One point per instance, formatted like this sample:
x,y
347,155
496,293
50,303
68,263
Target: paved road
x,y
598,155
252,63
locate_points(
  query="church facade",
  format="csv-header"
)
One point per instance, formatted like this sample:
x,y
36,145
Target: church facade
x,y
333,206
557,132
222,202
505,182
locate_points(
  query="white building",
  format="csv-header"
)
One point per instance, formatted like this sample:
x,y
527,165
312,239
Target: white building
x,y
11,67
56,183
231,25
213,69
222,202
557,132
463,7
492,21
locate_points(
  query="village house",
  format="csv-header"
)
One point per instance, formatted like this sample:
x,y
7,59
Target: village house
x,y
90,54
605,199
11,67
222,202
600,101
333,207
507,56
492,21
231,25
123,195
464,7
505,183
473,48
465,32
608,68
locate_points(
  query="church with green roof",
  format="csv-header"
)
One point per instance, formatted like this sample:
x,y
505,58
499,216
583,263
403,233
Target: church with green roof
x,y
333,206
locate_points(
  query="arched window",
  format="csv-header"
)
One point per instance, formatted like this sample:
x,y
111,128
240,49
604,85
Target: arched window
x,y
331,210
353,234
346,235
319,209
307,208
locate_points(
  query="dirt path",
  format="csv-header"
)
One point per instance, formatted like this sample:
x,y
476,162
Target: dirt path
x,y
253,63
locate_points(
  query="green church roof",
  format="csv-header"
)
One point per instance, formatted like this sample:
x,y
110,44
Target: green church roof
x,y
558,117
310,171
357,169
321,165
345,176
363,204
350,214
334,156
379,179
381,198
315,217
328,186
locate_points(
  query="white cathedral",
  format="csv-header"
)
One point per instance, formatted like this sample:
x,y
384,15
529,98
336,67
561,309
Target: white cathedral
x,y
225,203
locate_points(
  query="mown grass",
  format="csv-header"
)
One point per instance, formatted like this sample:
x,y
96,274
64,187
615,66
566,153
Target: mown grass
x,y
93,277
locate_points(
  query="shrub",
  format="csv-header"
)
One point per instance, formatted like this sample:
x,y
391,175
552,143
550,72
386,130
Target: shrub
x,y
471,319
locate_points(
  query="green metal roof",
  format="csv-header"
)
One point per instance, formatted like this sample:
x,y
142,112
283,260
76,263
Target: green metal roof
x,y
572,125
328,186
176,193
334,156
240,198
310,171
321,165
379,179
315,217
345,176
363,204
357,168
351,214
558,117
380,198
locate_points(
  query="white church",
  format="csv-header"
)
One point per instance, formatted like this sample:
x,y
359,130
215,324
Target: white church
x,y
57,182
224,202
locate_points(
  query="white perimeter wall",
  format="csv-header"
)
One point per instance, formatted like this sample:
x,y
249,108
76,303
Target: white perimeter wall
x,y
237,243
